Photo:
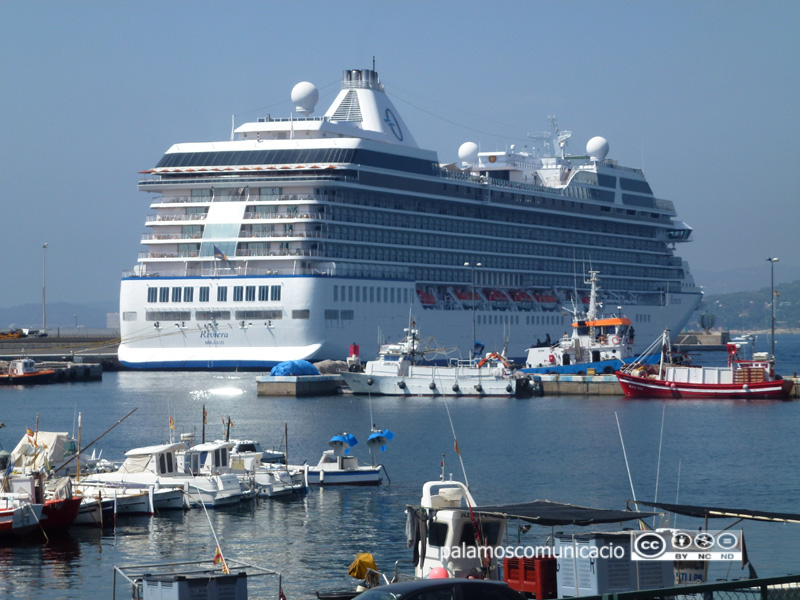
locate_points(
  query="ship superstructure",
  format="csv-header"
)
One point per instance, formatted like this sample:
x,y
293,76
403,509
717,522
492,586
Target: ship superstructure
x,y
302,235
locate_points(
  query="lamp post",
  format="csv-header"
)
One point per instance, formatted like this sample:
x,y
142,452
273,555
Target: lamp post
x,y
467,264
44,288
772,262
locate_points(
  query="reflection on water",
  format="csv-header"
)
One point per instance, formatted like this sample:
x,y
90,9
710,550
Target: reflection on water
x,y
735,454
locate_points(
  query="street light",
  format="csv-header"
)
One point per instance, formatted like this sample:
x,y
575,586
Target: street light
x,y
44,288
466,264
772,262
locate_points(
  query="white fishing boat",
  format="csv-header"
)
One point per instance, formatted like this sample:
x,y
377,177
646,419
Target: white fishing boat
x,y
264,472
201,472
338,467
266,246
397,372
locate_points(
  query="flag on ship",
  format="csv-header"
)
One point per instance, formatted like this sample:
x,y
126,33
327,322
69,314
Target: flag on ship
x,y
205,416
171,424
219,254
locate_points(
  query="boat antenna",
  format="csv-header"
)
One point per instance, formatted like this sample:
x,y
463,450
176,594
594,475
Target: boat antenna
x,y
658,467
441,477
455,444
233,125
627,466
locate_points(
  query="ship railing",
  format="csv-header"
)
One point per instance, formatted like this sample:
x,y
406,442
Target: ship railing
x,y
171,236
272,234
230,198
256,215
271,176
156,218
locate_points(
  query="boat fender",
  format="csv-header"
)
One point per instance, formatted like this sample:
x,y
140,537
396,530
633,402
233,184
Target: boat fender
x,y
746,387
509,388
370,381
455,387
608,370
615,340
479,388
401,384
432,385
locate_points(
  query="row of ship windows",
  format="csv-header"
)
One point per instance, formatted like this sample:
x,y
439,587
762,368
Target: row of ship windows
x,y
271,293
552,319
358,293
213,315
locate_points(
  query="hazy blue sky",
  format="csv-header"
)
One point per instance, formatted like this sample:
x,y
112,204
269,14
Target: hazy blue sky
x,y
703,95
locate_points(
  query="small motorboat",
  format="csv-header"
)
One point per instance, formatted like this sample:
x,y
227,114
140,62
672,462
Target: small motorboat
x,y
338,467
25,371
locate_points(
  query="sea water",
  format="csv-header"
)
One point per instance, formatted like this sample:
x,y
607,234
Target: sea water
x,y
723,453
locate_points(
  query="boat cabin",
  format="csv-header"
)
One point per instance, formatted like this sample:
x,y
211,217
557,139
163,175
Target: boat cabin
x,y
452,541
161,460
209,458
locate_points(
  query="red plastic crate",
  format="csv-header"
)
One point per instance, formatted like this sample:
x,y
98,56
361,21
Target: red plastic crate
x,y
535,577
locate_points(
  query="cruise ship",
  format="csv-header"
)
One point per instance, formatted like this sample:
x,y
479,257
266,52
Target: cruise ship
x,y
300,236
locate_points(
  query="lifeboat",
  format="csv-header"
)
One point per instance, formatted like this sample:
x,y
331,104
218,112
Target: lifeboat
x,y
497,299
546,300
426,298
467,298
522,299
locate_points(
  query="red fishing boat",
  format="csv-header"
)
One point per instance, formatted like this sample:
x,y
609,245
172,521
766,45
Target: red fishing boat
x,y
748,376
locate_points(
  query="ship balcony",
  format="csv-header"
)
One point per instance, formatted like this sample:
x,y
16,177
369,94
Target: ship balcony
x,y
157,237
278,252
150,219
167,200
276,215
277,234
172,255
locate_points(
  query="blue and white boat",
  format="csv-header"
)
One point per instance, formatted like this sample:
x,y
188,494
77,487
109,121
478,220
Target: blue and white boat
x,y
338,467
598,342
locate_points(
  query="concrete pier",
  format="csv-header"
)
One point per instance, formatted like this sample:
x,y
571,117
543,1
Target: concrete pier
x,y
298,385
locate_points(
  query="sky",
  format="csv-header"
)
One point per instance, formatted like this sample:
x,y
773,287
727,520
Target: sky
x,y
702,95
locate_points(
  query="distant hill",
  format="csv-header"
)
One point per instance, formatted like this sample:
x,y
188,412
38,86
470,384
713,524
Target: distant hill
x,y
751,311
744,279
59,314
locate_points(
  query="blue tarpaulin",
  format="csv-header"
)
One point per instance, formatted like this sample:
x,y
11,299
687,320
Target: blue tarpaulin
x,y
294,367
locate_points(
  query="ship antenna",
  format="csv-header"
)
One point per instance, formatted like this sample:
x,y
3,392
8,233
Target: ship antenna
x,y
373,62
233,125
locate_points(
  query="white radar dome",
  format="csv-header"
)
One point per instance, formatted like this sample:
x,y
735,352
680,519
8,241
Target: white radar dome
x,y
468,152
597,148
304,97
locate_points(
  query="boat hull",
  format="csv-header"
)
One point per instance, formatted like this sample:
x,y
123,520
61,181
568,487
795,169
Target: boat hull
x,y
359,476
262,344
441,382
60,513
644,387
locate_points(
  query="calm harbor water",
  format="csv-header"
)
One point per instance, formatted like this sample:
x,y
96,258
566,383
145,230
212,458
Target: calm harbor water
x,y
567,449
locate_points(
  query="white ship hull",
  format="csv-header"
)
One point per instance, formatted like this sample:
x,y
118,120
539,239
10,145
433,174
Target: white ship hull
x,y
262,344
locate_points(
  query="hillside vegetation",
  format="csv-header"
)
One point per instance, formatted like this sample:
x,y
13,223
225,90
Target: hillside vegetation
x,y
751,311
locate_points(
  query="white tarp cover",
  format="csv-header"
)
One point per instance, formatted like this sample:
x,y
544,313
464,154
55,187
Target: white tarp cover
x,y
48,451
